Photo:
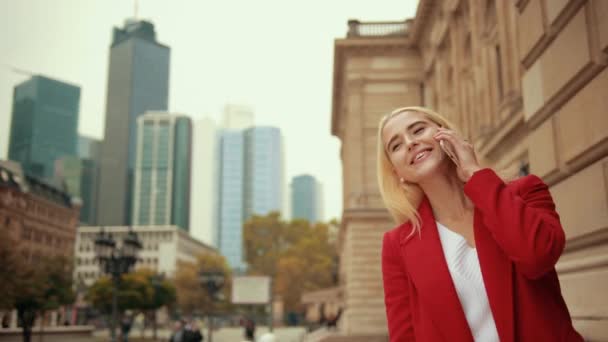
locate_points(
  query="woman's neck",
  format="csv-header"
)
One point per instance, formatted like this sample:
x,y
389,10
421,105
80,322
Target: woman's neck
x,y
446,196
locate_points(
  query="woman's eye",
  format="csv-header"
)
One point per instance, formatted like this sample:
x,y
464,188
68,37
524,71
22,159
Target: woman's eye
x,y
395,147
418,130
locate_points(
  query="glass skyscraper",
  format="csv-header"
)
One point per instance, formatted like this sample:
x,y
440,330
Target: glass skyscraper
x,y
162,170
80,176
263,171
44,124
250,182
230,199
138,81
306,198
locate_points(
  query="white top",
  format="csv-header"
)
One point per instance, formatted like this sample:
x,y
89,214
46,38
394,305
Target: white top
x,y
463,264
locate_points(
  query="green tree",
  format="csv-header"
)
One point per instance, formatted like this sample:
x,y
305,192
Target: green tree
x,y
141,291
164,294
42,286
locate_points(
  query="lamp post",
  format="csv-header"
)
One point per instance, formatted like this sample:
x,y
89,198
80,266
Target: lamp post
x,y
212,280
116,260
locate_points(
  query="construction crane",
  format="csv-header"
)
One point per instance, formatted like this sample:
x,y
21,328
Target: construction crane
x,y
20,71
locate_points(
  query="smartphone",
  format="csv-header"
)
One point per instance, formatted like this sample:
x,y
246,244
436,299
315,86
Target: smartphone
x,y
449,150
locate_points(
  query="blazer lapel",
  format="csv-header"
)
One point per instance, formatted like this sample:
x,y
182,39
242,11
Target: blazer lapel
x,y
497,272
428,270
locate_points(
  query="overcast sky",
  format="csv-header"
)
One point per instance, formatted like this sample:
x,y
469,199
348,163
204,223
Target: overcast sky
x,y
274,55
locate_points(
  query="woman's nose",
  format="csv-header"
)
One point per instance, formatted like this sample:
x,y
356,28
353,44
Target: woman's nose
x,y
410,143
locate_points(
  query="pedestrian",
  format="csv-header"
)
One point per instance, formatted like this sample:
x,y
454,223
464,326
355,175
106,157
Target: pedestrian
x,y
473,256
125,327
178,332
192,332
249,329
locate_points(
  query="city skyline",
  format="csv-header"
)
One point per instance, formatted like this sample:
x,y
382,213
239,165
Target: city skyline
x,y
280,66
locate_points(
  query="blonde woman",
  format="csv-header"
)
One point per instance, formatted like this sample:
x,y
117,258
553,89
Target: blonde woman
x,y
473,258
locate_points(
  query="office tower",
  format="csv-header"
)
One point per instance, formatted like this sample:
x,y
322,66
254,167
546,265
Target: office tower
x,y
263,171
80,178
138,81
44,124
204,191
230,197
306,198
161,192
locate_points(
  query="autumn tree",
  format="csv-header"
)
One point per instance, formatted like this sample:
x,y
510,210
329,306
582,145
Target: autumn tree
x,y
296,254
192,297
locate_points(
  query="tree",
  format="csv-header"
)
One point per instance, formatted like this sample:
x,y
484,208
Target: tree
x,y
305,266
142,290
296,254
164,294
42,286
191,296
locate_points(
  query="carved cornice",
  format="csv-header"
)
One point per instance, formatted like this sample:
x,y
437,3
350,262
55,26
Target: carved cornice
x,y
348,48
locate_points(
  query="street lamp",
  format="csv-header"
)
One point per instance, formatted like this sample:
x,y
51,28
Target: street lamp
x,y
116,261
212,281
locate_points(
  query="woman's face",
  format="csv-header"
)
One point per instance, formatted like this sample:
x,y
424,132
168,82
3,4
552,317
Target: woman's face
x,y
409,143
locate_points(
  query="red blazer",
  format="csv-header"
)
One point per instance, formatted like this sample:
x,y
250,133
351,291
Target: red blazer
x,y
518,237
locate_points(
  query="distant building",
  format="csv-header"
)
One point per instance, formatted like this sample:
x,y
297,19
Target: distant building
x,y
161,191
80,177
231,197
306,198
138,81
237,117
264,171
44,124
163,248
89,148
204,184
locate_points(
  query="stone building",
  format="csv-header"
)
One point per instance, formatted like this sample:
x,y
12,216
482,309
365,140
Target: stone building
x,y
39,217
527,82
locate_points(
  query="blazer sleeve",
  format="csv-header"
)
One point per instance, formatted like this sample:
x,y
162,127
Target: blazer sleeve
x,y
524,223
396,292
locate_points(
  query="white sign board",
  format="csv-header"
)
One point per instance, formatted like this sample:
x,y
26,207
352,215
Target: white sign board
x,y
251,290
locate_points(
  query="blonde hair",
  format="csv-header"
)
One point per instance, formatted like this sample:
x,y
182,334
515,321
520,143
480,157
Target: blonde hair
x,y
402,200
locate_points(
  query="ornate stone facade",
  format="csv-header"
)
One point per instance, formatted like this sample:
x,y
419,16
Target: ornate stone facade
x,y
527,81
41,218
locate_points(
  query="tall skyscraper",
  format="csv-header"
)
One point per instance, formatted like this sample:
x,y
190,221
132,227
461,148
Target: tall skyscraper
x,y
230,199
204,190
306,198
138,81
263,171
161,194
44,124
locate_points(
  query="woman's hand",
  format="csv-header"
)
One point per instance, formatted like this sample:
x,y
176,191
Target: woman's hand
x,y
466,161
